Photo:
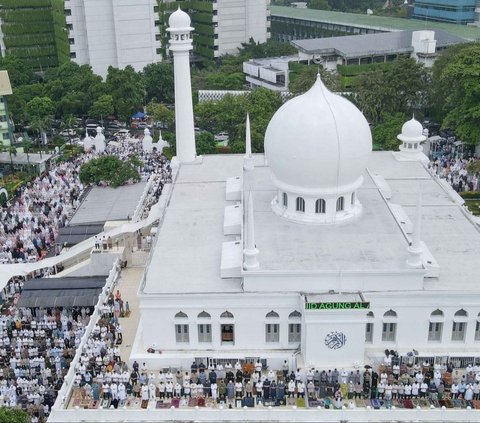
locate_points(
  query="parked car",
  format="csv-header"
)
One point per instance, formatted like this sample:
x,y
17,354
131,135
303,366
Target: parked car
x,y
221,137
67,132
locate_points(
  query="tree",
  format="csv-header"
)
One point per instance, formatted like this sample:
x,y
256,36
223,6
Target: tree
x,y
68,122
205,143
159,82
319,4
102,107
13,415
18,71
27,146
40,107
302,77
385,133
17,102
161,113
109,169
127,90
456,93
399,87
12,151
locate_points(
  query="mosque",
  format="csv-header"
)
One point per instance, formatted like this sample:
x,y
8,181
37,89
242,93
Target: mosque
x,y
319,252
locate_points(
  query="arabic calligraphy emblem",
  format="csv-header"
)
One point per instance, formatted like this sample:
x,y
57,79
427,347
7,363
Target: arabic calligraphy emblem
x,y
335,340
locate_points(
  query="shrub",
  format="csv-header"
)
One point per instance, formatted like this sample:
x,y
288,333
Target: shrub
x,y
110,170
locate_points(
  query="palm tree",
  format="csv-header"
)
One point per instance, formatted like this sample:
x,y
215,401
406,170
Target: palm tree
x,y
38,125
27,145
68,123
12,151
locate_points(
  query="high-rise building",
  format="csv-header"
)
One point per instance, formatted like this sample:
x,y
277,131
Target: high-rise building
x,y
33,31
221,26
452,11
5,129
116,33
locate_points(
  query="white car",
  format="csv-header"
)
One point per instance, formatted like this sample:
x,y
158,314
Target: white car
x,y
221,137
67,132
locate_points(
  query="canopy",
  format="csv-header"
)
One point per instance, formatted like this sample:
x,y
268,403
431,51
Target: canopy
x,y
72,235
139,115
62,292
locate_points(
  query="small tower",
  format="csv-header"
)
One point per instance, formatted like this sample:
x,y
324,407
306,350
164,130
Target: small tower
x,y
415,250
180,45
250,252
248,158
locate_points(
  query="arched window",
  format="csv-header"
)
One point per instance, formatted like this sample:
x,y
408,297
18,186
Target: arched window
x,y
300,204
226,315
295,315
340,204
294,327
285,199
477,328
181,315
272,314
369,327
352,199
320,206
435,326
461,313
204,315
389,329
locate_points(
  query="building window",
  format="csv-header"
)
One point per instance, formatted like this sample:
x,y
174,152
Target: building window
x,y
70,27
294,332
6,136
477,331
181,333
227,334
158,37
272,332
369,328
181,315
300,204
68,12
320,206
272,314
458,331
226,315
159,51
295,315
435,331
204,333
204,315
340,204
285,199
388,333
155,9
73,55
352,199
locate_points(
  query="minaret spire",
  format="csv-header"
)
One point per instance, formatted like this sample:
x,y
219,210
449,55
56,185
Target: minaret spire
x,y
248,158
415,249
250,252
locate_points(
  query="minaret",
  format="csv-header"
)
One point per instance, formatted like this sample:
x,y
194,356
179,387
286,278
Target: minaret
x,y
250,252
415,249
180,46
248,158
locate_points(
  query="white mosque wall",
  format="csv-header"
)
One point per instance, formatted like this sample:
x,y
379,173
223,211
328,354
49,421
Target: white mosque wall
x,y
249,310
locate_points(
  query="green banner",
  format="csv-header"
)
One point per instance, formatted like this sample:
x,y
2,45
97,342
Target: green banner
x,y
338,306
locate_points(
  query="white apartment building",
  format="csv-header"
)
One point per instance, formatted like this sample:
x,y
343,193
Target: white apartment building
x,y
117,33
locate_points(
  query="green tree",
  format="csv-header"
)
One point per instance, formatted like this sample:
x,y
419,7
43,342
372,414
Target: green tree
x,y
27,146
319,4
159,82
302,77
18,71
17,102
12,152
40,107
385,134
68,122
400,87
456,92
205,143
102,107
13,415
161,113
109,169
127,90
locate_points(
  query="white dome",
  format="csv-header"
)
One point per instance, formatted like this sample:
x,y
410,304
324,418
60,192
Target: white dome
x,y
318,143
412,130
179,20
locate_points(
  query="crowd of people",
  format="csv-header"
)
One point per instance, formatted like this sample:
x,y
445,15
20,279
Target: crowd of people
x,y
36,348
31,223
450,160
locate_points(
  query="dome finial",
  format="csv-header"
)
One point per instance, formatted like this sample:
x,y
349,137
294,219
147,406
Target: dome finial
x,y
248,159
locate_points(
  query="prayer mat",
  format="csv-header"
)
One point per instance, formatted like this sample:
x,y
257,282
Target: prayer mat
x,y
135,403
291,402
176,402
442,403
161,404
184,402
448,403
300,403
85,403
397,403
210,402
359,403
457,403
408,403
144,404
192,402
476,404
94,404
105,403
121,403
76,402
424,403
375,404
415,402
201,402
435,403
